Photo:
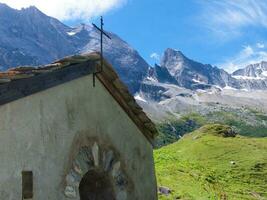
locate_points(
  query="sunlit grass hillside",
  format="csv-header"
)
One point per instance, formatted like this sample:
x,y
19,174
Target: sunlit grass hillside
x,y
206,164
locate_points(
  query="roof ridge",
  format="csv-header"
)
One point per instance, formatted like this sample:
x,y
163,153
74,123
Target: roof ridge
x,y
108,77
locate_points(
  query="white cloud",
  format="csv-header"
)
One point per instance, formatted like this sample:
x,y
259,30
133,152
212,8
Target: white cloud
x,y
248,55
155,56
228,17
260,45
69,9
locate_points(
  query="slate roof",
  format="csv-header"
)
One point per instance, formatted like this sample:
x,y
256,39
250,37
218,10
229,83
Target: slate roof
x,y
23,81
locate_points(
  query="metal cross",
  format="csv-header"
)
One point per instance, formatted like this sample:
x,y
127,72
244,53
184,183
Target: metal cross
x,y
102,32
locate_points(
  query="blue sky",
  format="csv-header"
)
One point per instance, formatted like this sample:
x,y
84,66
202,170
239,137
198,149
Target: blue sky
x,y
222,33
226,33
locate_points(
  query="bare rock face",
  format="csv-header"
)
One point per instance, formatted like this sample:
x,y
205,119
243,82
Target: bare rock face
x,y
230,133
177,69
29,37
164,190
194,75
191,74
253,70
23,33
161,74
253,76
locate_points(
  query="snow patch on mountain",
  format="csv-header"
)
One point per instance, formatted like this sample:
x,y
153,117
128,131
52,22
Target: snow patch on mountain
x,y
139,98
249,77
149,78
71,33
264,73
229,88
198,81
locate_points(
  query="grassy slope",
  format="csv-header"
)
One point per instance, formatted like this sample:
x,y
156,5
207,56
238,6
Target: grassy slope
x,y
199,167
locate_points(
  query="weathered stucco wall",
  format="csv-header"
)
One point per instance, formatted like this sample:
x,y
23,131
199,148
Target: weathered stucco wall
x,y
38,133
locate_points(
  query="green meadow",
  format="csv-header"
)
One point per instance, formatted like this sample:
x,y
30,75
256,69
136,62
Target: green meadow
x,y
206,164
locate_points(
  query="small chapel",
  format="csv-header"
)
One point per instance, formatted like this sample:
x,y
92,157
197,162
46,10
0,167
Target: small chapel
x,y
69,133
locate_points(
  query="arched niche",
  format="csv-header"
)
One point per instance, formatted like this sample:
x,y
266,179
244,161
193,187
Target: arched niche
x,y
96,185
97,169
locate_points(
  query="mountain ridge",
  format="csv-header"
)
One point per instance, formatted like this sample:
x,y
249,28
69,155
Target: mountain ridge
x,y
29,37
194,75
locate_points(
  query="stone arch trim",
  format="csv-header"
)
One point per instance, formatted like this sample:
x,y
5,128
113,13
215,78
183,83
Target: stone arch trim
x,y
95,156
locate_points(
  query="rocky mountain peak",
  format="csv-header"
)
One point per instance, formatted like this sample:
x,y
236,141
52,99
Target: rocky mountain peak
x,y
173,52
32,11
257,70
6,11
4,6
29,37
174,61
191,74
172,58
32,8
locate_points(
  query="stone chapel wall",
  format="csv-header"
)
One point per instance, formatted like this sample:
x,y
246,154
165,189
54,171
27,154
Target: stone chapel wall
x,y
45,132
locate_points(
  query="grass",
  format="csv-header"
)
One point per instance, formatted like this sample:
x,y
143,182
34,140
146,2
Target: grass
x,y
205,165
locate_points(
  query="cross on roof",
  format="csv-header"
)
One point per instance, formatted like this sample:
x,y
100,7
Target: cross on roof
x,y
102,32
